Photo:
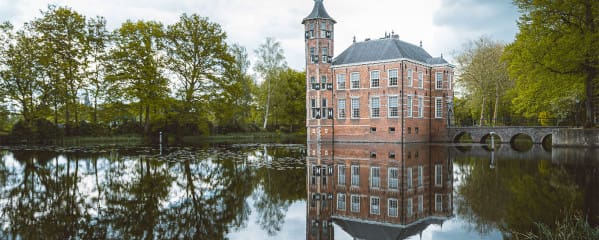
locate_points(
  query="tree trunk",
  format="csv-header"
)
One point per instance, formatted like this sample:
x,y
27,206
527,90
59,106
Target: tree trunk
x,y
482,112
267,104
147,122
496,110
590,111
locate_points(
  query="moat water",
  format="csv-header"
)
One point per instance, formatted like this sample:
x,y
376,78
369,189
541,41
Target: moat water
x,y
292,191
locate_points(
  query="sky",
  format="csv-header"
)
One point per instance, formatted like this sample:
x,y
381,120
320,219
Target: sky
x,y
443,26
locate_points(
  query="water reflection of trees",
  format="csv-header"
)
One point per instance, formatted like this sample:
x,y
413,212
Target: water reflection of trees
x,y
98,196
511,195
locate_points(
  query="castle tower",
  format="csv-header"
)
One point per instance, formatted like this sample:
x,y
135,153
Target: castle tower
x,y
319,39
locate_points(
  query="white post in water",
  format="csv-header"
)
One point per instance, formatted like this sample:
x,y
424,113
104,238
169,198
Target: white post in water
x,y
492,140
160,141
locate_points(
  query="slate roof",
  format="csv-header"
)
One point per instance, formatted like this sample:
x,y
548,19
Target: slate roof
x,y
369,230
385,49
318,12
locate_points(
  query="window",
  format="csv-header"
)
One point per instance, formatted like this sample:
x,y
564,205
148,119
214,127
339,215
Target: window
x,y
355,108
355,175
449,78
439,80
420,173
420,204
375,107
438,202
409,178
325,54
315,108
375,177
393,77
410,104
409,208
341,108
324,108
410,78
341,201
393,178
392,206
355,203
375,79
354,78
323,29
393,107
341,175
311,30
420,107
375,205
312,54
420,79
438,107
438,175
340,81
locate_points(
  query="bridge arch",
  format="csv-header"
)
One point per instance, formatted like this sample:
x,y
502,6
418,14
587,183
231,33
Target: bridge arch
x,y
524,144
457,137
487,136
546,142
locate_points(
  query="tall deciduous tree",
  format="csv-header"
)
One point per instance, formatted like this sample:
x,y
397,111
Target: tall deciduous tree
x,y
136,65
271,61
62,35
483,74
555,57
21,71
98,42
199,57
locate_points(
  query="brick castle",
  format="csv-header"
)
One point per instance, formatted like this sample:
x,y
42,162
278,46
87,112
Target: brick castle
x,y
381,90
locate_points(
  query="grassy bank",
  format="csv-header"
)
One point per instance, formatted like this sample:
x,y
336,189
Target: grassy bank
x,y
248,138
125,140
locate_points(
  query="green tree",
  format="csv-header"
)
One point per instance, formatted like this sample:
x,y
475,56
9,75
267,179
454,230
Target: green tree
x,y
271,61
98,40
288,100
555,57
21,72
62,38
483,74
198,56
136,66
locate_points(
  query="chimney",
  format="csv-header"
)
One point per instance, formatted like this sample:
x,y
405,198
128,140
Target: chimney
x,y
420,43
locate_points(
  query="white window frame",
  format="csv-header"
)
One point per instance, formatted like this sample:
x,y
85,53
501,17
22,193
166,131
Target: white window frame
x,y
375,177
341,107
355,206
354,77
409,180
355,175
420,107
439,80
341,201
420,176
410,107
373,79
420,79
355,107
392,105
393,181
393,77
375,109
341,77
438,107
438,202
341,178
438,175
375,205
410,77
393,208
409,207
325,54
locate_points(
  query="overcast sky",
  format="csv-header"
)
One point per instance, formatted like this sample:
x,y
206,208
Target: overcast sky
x,y
442,25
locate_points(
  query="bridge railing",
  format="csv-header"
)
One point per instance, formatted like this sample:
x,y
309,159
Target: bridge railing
x,y
509,121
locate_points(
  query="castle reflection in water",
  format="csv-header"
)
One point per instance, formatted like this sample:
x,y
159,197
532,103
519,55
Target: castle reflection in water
x,y
377,191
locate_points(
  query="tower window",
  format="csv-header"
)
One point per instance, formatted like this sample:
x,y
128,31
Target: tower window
x,y
311,31
325,54
323,29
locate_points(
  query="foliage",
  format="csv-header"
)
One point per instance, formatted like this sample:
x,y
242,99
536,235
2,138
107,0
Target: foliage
x,y
271,61
482,75
571,227
555,57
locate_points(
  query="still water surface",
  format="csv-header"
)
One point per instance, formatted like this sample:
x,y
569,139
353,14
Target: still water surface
x,y
292,191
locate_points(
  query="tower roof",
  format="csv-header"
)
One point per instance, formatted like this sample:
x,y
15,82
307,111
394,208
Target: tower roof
x,y
318,12
384,49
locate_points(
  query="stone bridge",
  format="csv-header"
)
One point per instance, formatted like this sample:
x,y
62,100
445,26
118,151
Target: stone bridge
x,y
504,151
507,134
